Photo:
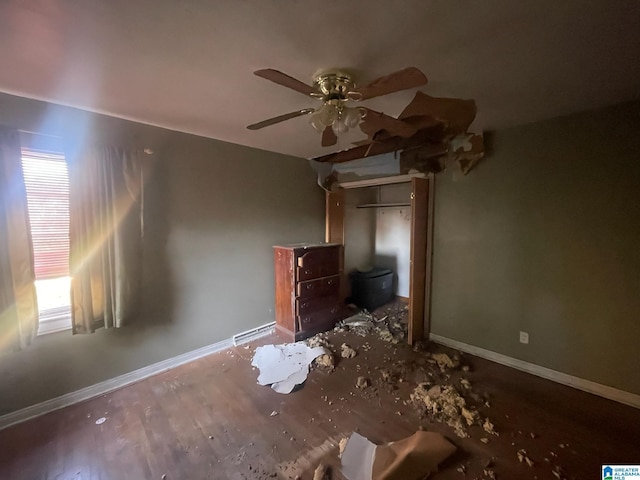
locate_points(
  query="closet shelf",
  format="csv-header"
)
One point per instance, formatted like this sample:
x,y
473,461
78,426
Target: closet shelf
x,y
383,205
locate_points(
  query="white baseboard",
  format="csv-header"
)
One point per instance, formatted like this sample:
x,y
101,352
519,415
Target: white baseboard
x,y
112,384
605,391
253,334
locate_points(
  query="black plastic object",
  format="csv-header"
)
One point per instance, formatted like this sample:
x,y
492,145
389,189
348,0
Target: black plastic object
x,y
371,289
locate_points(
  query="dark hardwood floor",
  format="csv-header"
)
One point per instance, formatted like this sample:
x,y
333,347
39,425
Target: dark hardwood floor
x,y
210,420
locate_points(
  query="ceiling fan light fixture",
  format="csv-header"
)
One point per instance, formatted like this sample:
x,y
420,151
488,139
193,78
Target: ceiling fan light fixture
x,y
352,117
316,123
324,116
339,127
337,116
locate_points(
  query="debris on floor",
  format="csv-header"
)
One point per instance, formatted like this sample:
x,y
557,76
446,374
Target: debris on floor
x,y
285,366
327,361
522,457
444,403
414,457
322,472
489,474
444,361
386,335
319,340
362,382
389,325
436,386
558,472
489,427
342,445
346,351
357,458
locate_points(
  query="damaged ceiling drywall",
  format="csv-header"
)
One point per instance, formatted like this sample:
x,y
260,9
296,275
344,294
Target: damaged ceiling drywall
x,y
427,135
188,66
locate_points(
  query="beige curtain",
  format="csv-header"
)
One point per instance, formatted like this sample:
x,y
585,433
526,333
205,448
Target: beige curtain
x,y
105,237
18,305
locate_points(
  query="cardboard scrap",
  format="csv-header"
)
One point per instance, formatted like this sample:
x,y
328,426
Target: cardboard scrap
x,y
285,366
412,458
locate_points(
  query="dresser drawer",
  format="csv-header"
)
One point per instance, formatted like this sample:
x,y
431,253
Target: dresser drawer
x,y
318,263
305,306
327,316
321,287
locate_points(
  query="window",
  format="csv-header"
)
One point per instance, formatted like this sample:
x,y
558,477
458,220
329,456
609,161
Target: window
x,y
47,182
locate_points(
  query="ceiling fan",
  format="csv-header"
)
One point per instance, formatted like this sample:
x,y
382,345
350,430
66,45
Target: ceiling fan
x,y
335,88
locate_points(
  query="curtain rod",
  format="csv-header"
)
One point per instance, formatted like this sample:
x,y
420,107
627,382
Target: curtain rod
x,y
40,134
147,150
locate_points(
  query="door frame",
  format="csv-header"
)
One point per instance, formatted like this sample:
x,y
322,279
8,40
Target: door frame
x,y
421,245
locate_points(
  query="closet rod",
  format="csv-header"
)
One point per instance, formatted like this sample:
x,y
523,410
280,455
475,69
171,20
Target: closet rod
x,y
382,205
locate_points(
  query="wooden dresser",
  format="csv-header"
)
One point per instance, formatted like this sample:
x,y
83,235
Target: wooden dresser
x,y
307,288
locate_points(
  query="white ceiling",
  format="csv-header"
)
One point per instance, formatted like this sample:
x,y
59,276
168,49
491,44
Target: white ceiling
x,y
187,65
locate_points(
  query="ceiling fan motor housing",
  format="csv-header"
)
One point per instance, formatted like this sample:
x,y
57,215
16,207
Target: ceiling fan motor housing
x,y
335,85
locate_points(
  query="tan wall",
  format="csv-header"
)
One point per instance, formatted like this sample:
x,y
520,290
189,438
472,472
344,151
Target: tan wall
x,y
214,210
544,237
359,229
393,235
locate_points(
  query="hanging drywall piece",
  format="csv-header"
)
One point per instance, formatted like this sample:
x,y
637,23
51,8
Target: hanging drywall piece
x,y
285,366
429,131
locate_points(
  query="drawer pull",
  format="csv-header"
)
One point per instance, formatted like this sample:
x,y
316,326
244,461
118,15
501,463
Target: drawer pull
x,y
309,286
334,310
329,282
307,271
304,305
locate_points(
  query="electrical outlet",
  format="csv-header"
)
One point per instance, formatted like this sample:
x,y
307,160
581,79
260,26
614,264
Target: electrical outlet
x,y
524,337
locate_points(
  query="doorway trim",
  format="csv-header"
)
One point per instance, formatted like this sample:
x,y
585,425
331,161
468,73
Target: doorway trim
x,y
421,243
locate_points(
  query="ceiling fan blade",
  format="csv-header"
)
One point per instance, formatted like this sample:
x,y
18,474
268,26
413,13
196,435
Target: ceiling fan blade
x,y
456,113
401,80
329,137
280,118
375,122
285,80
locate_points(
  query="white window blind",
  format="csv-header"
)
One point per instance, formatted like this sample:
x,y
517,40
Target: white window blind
x,y
47,183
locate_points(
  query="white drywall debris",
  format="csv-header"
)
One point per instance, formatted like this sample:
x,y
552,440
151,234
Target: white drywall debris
x,y
416,456
357,458
285,366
